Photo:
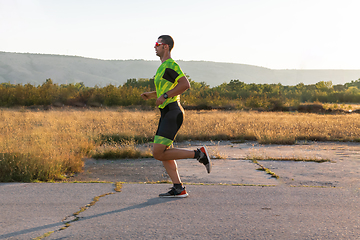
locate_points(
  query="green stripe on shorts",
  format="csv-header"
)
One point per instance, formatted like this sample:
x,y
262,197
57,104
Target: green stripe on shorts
x,y
163,141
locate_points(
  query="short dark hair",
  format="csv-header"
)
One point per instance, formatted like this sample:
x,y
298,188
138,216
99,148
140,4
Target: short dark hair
x,y
167,40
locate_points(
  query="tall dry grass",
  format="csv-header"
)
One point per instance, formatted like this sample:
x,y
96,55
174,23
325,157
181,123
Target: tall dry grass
x,y
272,127
47,144
41,145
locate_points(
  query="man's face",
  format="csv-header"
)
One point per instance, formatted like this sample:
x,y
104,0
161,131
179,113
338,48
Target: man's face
x,y
159,48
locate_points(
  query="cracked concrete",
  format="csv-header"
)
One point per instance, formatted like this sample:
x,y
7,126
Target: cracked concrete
x,y
68,220
237,201
28,210
224,212
343,170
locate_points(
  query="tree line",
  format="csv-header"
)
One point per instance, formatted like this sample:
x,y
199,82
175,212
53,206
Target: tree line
x,y
233,95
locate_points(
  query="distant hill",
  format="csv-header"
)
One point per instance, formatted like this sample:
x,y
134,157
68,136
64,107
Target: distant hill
x,y
36,68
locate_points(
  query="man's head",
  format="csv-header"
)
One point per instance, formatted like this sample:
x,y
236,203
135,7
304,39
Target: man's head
x,y
166,39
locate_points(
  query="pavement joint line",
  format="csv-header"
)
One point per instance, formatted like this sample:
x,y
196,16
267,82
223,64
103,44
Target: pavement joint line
x,y
206,184
75,216
185,183
310,186
235,184
209,184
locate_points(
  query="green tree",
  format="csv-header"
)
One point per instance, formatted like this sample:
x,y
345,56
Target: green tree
x,y
324,86
47,92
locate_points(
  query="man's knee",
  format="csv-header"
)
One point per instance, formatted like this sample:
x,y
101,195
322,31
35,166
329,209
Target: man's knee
x,y
158,155
158,152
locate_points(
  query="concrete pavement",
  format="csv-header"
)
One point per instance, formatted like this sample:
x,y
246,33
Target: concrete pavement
x,y
309,201
211,212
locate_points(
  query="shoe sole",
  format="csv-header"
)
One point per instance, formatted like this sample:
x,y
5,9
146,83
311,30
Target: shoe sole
x,y
176,196
208,166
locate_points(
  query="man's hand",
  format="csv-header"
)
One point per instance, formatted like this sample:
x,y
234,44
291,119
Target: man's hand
x,y
148,95
160,100
145,96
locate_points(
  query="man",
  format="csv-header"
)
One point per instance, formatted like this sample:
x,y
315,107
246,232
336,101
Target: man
x,y
170,82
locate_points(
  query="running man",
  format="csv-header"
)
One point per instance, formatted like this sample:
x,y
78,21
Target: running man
x,y
170,82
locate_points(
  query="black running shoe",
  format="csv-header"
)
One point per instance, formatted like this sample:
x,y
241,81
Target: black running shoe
x,y
204,158
175,193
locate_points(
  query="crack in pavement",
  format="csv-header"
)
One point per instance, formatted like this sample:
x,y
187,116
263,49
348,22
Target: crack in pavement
x,y
118,187
75,216
268,171
274,175
68,220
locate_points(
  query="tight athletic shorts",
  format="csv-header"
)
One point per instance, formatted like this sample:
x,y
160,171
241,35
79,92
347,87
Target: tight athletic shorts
x,y
172,116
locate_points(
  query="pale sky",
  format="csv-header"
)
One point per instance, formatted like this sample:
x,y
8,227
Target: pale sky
x,y
277,34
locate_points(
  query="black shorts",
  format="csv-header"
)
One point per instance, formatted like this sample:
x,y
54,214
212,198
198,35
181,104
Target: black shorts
x,y
172,116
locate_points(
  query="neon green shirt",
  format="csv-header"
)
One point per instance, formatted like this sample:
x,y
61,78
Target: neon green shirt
x,y
166,78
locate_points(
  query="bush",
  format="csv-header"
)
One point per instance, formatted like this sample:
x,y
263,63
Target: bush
x,y
265,96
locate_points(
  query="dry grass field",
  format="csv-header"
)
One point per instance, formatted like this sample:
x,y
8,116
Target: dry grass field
x,y
45,145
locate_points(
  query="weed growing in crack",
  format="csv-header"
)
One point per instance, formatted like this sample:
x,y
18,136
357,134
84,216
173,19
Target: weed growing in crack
x,y
44,235
118,187
268,171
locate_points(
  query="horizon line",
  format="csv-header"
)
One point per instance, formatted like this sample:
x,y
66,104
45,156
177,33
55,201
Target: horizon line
x,y
151,60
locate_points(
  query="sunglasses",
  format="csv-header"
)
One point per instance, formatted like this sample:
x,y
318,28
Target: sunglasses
x,y
158,44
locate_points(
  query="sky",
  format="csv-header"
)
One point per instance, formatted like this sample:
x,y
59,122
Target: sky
x,y
276,34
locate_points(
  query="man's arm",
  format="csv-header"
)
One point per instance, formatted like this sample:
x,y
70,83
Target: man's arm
x,y
149,95
182,86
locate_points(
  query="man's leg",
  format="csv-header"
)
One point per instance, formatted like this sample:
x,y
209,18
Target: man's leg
x,y
171,169
168,155
163,153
